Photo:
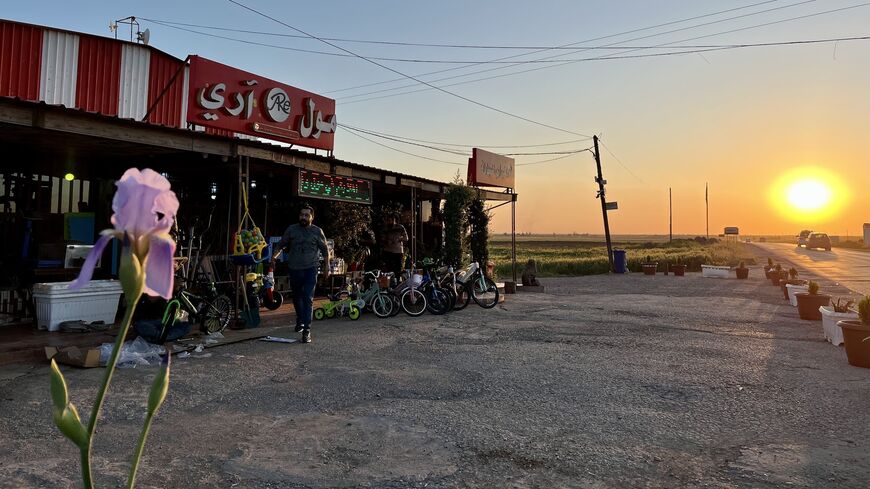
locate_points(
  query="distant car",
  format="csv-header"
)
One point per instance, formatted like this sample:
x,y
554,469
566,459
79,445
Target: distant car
x,y
819,240
802,237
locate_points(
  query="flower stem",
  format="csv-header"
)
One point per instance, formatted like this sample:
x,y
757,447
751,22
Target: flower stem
x,y
139,448
86,468
107,379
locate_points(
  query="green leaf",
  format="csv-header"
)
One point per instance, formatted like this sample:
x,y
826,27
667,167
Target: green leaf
x,y
59,392
159,388
71,426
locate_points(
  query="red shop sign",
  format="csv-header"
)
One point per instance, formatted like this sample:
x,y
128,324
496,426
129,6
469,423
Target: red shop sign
x,y
223,97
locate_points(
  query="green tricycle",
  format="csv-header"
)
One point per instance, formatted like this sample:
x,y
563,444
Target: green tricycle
x,y
351,307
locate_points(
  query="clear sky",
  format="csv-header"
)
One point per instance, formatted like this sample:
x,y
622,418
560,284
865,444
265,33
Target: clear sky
x,y
752,122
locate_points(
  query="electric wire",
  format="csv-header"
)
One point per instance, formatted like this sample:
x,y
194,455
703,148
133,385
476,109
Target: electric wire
x,y
619,161
351,131
689,50
453,94
609,36
504,67
379,133
456,152
347,102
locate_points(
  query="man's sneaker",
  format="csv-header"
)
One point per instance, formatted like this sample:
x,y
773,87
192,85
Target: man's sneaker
x,y
306,336
299,328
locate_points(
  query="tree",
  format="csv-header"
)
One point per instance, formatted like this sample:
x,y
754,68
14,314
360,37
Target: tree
x,y
478,219
344,223
457,197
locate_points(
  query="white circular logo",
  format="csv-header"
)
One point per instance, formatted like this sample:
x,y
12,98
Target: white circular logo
x,y
277,104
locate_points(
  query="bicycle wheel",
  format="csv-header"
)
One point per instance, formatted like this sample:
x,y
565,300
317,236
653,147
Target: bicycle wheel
x,y
397,305
484,292
438,302
275,303
414,302
353,313
463,296
382,305
330,311
318,313
216,314
451,297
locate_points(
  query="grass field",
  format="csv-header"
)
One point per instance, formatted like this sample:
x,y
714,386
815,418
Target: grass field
x,y
574,257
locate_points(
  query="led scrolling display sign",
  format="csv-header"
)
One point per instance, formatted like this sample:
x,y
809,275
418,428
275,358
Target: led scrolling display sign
x,y
223,97
334,187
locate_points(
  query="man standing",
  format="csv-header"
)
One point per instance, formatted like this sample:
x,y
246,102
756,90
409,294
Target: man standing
x,y
393,238
303,241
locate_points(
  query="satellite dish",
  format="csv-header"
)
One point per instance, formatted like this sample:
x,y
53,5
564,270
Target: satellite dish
x,y
144,36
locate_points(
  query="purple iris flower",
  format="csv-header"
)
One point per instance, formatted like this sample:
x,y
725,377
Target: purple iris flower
x,y
144,210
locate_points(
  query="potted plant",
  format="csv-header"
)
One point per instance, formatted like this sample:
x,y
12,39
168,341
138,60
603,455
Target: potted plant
x,y
742,271
793,285
776,274
768,268
679,269
855,334
649,266
809,303
838,311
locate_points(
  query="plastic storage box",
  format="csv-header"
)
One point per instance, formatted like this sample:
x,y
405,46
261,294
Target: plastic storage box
x,y
55,303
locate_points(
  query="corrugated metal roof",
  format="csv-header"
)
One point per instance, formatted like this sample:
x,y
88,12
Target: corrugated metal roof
x,y
99,73
20,55
133,96
59,68
169,88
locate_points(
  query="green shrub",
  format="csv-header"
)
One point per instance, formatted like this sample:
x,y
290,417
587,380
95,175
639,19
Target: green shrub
x,y
813,287
864,310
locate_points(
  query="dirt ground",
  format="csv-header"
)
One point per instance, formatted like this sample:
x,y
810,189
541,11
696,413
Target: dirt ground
x,y
601,382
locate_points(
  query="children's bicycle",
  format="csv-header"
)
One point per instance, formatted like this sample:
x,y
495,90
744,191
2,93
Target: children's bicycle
x,y
350,306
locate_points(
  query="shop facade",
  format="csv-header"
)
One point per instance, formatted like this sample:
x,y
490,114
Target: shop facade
x,y
77,110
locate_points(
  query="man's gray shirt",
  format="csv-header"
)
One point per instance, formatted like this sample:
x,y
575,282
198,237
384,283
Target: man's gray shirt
x,y
303,243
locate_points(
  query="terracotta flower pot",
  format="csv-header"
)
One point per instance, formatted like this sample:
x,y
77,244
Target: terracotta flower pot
x,y
650,268
679,270
775,276
857,350
808,305
742,273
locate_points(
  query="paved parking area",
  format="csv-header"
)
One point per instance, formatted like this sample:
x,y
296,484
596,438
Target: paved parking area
x,y
602,382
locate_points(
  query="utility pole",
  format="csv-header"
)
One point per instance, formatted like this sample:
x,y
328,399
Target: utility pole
x,y
707,204
601,181
671,213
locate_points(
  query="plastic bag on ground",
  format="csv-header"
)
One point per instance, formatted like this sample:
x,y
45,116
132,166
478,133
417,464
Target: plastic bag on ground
x,y
133,353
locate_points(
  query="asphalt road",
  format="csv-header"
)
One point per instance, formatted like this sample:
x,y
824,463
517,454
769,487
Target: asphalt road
x,y
849,268
602,382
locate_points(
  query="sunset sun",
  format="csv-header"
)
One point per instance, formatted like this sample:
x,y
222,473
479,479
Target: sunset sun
x,y
809,195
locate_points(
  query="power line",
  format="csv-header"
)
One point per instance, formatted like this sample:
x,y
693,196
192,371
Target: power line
x,y
498,68
461,97
641,29
493,146
694,49
169,23
446,150
401,151
454,151
571,62
619,161
550,160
